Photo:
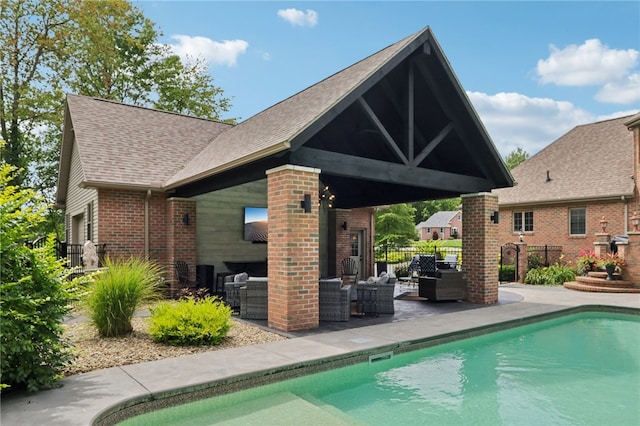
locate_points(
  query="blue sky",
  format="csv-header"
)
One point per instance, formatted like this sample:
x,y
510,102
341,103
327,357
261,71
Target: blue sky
x,y
532,70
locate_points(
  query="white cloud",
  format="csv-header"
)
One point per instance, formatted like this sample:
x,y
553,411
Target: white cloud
x,y
591,63
299,18
518,121
214,52
622,92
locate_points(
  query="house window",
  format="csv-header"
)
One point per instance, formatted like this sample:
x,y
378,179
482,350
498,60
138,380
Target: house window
x,y
523,221
90,221
428,230
578,221
441,231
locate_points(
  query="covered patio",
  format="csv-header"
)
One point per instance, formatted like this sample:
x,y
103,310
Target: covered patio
x,y
395,127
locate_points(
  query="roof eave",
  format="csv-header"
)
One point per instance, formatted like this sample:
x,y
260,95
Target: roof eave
x,y
258,155
611,197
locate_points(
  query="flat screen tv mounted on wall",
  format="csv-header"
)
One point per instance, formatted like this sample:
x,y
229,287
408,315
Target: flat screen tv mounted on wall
x,y
256,227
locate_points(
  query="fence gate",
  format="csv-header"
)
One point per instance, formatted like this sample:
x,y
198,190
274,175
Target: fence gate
x,y
509,256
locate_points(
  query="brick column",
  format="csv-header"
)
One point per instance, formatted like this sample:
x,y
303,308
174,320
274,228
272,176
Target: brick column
x,y
480,247
181,238
293,248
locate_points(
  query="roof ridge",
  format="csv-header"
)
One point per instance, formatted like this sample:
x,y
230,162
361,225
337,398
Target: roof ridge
x,y
146,108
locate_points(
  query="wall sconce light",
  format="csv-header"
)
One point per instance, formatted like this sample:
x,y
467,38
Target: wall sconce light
x,y
306,203
635,221
344,225
495,217
521,235
603,224
185,219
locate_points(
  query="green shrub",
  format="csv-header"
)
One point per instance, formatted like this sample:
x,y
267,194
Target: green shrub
x,y
33,295
190,322
507,273
551,275
119,290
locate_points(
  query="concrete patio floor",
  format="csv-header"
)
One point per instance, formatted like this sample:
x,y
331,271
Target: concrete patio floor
x,y
85,397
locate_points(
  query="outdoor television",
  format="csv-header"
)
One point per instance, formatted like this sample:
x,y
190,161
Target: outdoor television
x,y
255,229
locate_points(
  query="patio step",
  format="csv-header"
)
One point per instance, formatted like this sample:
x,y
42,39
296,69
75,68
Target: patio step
x,y
617,281
598,288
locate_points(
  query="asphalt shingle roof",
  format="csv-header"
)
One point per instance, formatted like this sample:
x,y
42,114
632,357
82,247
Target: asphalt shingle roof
x,y
128,145
273,129
591,161
438,220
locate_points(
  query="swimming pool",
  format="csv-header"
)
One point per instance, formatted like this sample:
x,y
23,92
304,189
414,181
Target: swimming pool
x,y
581,369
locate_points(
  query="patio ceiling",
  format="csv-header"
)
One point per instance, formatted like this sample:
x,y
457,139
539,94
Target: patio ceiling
x,y
405,133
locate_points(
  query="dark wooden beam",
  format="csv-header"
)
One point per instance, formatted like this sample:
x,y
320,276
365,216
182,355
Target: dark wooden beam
x,y
387,137
383,171
433,144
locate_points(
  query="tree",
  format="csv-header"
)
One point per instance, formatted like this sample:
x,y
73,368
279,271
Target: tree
x,y
32,35
515,157
33,295
426,209
106,49
395,225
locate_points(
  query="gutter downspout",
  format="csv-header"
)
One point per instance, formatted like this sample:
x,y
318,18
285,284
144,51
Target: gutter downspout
x,y
146,223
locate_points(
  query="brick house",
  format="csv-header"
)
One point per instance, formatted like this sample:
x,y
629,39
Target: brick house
x,y
447,224
171,187
563,191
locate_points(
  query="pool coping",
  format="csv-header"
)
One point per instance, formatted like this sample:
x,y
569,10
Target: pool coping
x,y
104,396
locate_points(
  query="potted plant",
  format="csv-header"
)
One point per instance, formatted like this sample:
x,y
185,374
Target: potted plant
x,y
611,262
587,261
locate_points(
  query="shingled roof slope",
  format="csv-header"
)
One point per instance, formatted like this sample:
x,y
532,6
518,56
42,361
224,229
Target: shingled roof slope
x,y
438,220
590,162
122,145
273,129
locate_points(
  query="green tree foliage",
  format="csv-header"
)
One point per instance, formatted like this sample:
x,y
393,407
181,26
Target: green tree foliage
x,y
426,209
395,225
106,49
33,297
515,158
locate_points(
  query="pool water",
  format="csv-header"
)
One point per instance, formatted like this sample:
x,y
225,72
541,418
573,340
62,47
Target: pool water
x,y
582,369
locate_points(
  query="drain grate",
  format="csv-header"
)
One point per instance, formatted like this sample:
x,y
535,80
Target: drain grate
x,y
380,357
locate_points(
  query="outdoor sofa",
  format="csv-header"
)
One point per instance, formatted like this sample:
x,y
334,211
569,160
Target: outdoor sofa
x,y
385,286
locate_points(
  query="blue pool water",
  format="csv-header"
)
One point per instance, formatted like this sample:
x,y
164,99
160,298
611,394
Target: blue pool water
x,y
582,369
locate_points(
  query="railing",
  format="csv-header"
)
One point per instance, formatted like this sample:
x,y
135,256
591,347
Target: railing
x,y
543,255
396,259
72,253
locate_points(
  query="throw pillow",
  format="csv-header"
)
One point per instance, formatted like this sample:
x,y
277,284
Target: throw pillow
x,y
241,277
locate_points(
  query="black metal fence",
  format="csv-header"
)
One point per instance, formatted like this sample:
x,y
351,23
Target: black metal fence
x,y
396,260
543,255
71,252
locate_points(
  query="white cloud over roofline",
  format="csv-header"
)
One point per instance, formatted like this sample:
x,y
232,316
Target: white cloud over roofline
x,y
297,17
590,63
623,92
225,52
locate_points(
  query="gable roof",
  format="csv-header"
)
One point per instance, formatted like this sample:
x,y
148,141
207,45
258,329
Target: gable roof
x,y
438,220
394,127
128,146
590,162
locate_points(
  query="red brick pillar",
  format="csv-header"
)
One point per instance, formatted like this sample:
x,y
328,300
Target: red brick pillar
x,y
181,238
293,250
480,247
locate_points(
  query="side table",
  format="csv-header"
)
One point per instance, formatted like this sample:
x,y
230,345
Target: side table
x,y
366,302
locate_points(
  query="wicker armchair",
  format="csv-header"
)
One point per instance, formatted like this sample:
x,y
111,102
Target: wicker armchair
x,y
232,285
447,285
253,299
334,303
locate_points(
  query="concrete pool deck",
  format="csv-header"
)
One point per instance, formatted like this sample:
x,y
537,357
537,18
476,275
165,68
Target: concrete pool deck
x,y
83,397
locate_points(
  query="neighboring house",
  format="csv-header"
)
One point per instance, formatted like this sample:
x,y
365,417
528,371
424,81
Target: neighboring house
x,y
379,132
446,225
563,191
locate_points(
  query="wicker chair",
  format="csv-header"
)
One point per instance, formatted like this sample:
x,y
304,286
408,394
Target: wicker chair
x,y
384,294
334,303
182,272
447,285
253,299
232,285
